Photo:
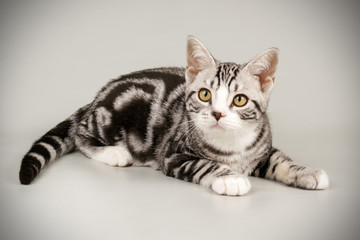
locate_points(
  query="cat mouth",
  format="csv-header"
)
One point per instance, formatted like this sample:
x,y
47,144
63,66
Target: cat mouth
x,y
217,126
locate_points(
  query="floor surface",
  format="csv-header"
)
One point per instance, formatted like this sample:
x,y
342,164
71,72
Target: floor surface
x,y
77,198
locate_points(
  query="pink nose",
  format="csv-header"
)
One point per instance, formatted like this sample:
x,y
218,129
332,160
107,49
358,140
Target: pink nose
x,y
218,115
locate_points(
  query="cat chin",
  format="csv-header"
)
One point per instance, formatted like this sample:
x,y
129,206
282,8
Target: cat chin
x,y
218,130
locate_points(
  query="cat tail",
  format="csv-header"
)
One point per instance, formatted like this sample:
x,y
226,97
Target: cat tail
x,y
54,144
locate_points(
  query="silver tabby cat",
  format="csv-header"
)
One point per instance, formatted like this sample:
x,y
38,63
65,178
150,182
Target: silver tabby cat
x,y
205,124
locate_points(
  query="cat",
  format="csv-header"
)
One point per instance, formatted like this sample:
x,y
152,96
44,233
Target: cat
x,y
205,124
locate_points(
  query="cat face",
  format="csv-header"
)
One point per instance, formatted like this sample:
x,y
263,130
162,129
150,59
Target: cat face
x,y
225,98
222,102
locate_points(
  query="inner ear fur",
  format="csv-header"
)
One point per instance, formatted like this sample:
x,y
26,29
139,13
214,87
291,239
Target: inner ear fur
x,y
198,58
264,67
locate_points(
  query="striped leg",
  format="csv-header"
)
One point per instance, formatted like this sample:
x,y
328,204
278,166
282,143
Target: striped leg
x,y
92,140
117,156
207,173
281,168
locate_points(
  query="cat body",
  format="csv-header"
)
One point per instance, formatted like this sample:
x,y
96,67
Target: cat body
x,y
205,124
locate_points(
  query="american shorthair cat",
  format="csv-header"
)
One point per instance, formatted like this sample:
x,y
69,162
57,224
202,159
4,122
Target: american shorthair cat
x,y
205,124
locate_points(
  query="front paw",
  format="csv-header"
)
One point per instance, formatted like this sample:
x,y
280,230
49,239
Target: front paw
x,y
312,179
231,185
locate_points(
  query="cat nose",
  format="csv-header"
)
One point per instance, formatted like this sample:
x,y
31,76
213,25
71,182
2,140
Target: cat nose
x,y
218,115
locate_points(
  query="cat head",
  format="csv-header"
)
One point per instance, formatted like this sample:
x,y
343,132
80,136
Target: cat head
x,y
226,97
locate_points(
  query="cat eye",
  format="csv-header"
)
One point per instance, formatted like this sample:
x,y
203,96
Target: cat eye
x,y
204,95
240,100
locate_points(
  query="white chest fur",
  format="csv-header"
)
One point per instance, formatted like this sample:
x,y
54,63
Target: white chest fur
x,y
232,141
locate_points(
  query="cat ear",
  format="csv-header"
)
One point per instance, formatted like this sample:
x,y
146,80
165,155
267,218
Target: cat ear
x,y
264,67
198,58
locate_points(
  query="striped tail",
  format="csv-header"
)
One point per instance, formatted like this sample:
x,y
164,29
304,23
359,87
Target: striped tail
x,y
55,143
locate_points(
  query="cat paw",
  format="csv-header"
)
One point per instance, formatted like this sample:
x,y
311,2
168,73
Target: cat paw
x,y
313,179
117,156
231,185
322,180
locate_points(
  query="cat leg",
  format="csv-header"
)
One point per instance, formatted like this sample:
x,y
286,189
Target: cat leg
x,y
212,174
281,168
117,156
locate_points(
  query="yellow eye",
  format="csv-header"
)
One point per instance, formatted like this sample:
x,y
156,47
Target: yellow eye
x,y
240,100
204,95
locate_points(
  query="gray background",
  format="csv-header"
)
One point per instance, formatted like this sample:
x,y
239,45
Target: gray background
x,y
55,56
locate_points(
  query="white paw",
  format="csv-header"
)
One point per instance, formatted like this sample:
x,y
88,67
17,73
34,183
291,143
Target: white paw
x,y
312,179
322,180
231,185
114,156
